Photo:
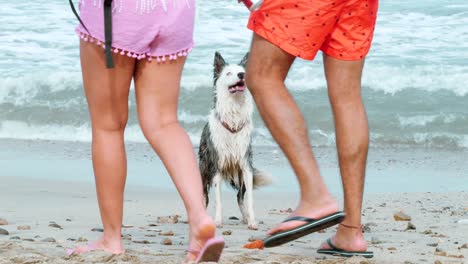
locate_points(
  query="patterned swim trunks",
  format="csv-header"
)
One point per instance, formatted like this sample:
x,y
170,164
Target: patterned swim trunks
x,y
151,29
342,29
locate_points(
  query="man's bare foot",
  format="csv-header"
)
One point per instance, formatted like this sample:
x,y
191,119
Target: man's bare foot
x,y
201,230
114,246
349,239
310,210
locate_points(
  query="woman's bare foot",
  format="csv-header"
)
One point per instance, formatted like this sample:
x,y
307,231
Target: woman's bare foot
x,y
349,239
315,210
113,246
201,230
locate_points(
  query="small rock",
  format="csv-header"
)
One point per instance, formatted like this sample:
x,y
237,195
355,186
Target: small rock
x,y
233,218
172,219
55,225
464,246
375,240
456,256
432,244
97,229
440,252
71,239
168,233
166,241
68,220
82,239
4,232
437,262
28,239
141,241
289,210
24,227
261,223
227,233
392,248
400,216
411,226
15,238
49,240
3,221
427,232
37,236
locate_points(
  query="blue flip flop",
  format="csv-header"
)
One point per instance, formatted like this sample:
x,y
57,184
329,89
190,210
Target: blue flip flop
x,y
335,251
311,226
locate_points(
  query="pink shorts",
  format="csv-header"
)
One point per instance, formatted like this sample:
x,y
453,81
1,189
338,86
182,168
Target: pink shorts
x,y
152,29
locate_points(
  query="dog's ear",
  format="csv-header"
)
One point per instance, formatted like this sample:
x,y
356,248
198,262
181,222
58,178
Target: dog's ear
x,y
218,64
244,60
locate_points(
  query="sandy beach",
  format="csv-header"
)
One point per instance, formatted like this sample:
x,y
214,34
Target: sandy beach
x,y
48,204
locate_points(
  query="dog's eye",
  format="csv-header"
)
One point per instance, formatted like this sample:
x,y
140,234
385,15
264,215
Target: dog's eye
x,y
229,73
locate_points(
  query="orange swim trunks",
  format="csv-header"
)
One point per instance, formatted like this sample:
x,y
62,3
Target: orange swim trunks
x,y
342,29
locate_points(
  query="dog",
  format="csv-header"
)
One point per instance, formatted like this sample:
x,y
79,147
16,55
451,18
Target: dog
x,y
225,153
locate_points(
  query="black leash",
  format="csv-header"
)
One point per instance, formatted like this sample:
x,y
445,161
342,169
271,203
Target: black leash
x,y
107,30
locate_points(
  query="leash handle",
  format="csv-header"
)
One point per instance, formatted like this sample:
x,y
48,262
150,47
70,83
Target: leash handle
x,y
250,5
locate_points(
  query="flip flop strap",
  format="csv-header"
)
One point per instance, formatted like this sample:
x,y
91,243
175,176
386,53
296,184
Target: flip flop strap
x,y
330,244
299,218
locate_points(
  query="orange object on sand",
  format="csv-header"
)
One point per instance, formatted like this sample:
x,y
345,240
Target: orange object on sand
x,y
257,244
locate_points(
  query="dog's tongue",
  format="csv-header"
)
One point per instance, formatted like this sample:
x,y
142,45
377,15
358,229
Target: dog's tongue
x,y
240,88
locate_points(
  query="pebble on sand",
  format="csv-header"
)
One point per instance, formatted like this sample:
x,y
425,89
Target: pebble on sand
x,y
375,240
24,227
233,218
392,248
141,241
3,221
227,232
49,240
437,262
166,241
55,225
4,232
400,216
15,238
168,233
464,245
411,226
440,252
172,219
97,229
82,239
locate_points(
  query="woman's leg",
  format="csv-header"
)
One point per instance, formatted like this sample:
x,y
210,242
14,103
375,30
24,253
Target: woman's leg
x,y
157,91
107,95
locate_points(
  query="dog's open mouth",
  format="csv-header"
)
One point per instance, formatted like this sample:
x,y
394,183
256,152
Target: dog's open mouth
x,y
237,87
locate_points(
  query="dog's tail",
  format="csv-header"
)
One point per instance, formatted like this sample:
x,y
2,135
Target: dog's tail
x,y
261,178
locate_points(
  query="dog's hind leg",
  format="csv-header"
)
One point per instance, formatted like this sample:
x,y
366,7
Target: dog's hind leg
x,y
240,202
219,207
248,181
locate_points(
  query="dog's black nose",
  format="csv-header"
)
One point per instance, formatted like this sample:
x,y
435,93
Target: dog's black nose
x,y
241,75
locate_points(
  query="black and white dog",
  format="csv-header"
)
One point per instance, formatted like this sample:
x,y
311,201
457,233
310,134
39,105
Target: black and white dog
x,y
225,147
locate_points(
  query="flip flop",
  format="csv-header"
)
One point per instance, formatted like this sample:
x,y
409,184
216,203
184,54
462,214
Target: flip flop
x,y
311,226
335,251
211,251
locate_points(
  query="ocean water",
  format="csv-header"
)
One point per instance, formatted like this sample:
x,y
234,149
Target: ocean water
x,y
415,83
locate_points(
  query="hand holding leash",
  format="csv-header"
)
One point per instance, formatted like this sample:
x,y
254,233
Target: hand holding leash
x,y
251,6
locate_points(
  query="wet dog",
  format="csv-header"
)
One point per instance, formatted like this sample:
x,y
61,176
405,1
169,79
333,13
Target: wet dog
x,y
225,153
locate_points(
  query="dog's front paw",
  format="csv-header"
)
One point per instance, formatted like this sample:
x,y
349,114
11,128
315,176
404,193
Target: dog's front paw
x,y
253,226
